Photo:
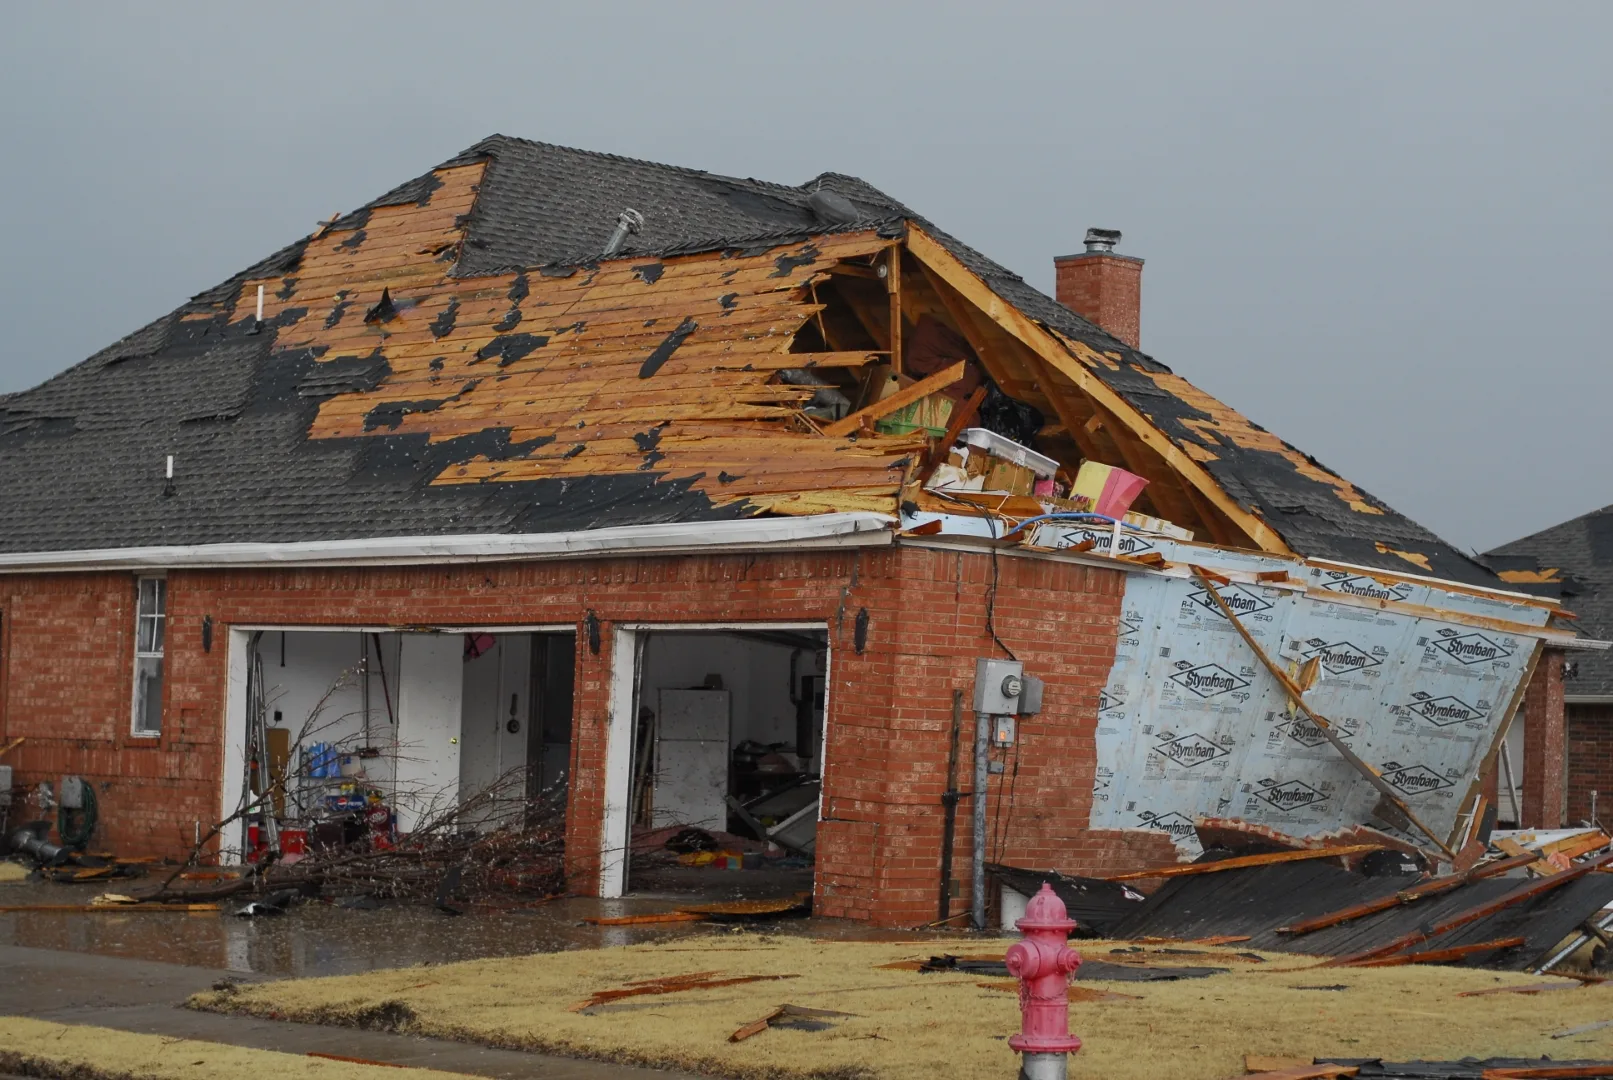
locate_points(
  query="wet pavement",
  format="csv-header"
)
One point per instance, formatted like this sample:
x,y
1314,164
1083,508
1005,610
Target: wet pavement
x,y
132,970
317,938
145,997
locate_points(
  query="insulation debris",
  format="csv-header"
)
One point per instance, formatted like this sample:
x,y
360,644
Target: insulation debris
x,y
942,1024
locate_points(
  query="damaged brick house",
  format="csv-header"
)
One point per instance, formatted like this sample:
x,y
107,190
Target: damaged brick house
x,y
1569,769
625,474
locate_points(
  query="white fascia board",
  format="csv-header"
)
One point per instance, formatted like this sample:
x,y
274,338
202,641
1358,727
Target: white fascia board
x,y
682,537
1443,583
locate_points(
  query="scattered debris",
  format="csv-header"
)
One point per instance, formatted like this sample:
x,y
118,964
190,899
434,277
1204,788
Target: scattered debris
x,y
1095,904
1239,862
1478,916
791,1016
673,984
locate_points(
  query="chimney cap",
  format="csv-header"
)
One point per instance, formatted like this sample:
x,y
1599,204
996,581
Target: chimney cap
x,y
1102,239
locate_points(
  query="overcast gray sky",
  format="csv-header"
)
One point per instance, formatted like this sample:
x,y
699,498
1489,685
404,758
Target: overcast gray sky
x,y
1384,232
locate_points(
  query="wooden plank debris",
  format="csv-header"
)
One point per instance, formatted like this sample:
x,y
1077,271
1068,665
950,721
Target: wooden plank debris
x,y
1242,861
1420,891
1441,956
785,1012
675,984
923,388
1259,1063
1519,895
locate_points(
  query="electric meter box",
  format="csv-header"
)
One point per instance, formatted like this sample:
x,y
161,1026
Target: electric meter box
x,y
998,684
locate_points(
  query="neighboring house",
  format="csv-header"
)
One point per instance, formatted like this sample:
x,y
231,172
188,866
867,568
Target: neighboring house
x,y
472,495
1572,561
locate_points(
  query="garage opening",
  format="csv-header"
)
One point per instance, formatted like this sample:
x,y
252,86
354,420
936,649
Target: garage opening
x,y
360,737
726,763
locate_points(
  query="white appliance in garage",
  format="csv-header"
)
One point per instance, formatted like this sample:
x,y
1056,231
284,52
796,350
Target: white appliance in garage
x,y
691,759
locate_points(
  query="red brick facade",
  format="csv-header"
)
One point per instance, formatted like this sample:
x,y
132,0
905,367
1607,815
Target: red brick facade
x,y
67,655
1590,761
1545,764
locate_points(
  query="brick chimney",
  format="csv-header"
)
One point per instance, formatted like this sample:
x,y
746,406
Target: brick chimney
x,y
1103,287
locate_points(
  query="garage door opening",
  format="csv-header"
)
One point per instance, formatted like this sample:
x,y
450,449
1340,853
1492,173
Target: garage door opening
x,y
363,736
726,764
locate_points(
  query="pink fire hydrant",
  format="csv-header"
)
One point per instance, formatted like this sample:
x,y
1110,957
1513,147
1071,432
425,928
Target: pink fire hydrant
x,y
1043,962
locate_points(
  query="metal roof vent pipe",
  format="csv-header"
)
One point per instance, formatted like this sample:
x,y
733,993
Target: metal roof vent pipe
x,y
1103,286
1102,239
628,223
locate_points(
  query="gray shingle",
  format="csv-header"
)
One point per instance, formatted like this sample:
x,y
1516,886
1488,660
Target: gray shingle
x,y
81,454
1582,551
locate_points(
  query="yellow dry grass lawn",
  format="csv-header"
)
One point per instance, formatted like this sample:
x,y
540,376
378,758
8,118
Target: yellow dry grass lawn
x,y
907,1024
38,1048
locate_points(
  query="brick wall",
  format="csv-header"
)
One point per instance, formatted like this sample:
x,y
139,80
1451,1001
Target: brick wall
x,y
1590,761
1545,765
1103,288
68,656
1061,620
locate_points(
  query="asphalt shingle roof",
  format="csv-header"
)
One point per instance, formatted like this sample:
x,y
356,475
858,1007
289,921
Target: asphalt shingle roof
x,y
1581,553
81,454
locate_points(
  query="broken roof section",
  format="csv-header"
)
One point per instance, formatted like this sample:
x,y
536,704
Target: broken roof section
x,y
455,357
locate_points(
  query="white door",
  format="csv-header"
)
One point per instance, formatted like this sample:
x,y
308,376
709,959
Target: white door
x,y
691,759
429,687
493,736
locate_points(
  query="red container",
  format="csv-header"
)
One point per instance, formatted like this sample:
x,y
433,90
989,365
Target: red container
x,y
293,841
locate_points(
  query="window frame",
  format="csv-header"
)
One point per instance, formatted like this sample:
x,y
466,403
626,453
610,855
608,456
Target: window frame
x,y
158,619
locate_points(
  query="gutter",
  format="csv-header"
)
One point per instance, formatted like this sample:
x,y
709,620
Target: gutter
x,y
673,538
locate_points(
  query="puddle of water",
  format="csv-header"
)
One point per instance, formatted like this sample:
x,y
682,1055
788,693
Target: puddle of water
x,y
320,939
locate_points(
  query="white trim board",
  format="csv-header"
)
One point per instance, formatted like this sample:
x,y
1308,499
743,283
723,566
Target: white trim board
x,y
681,537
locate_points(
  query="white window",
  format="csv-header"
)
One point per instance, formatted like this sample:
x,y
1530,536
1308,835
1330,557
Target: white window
x,y
150,619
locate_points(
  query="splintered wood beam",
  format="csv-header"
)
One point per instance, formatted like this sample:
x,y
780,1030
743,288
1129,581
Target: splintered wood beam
x,y
921,389
893,283
1539,887
1441,956
846,269
1431,887
1242,862
929,251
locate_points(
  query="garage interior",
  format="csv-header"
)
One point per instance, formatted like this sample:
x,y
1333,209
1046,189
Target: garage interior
x,y
361,735
727,762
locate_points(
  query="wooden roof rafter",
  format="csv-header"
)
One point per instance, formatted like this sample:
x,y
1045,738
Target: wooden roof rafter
x,y
949,269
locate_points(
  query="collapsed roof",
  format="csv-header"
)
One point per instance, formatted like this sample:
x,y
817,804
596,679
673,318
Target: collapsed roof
x,y
456,357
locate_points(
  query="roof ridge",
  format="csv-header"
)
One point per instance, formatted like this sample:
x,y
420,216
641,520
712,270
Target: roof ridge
x,y
687,170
